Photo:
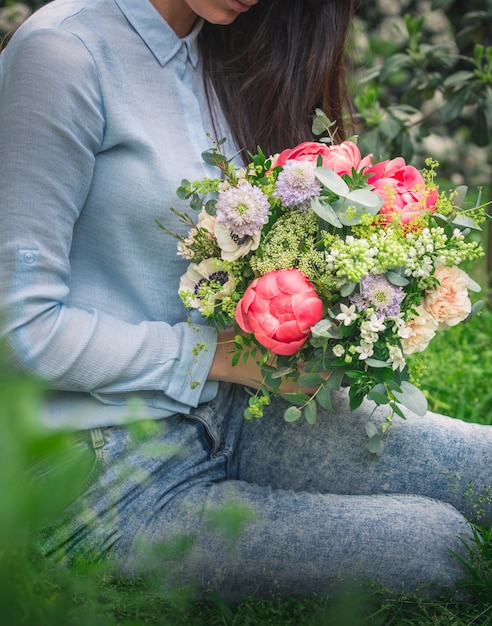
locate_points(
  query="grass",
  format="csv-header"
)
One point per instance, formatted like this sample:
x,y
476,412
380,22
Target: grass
x,y
455,373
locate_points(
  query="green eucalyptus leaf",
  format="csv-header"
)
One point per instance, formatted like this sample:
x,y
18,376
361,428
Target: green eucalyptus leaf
x,y
325,212
332,181
299,399
379,388
320,341
473,286
397,279
321,123
350,212
183,191
214,158
310,412
376,363
392,385
325,328
323,398
477,306
375,445
377,397
335,379
442,220
196,202
210,207
412,398
365,198
371,429
462,221
311,380
396,409
347,289
282,371
292,414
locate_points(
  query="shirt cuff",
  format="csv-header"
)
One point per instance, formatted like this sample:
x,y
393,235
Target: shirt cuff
x,y
188,383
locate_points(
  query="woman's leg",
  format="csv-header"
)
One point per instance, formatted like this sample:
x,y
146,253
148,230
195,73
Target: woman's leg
x,y
433,456
172,504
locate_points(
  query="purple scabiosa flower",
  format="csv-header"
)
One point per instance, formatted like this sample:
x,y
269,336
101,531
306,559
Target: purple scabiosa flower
x,y
243,210
379,293
297,185
358,301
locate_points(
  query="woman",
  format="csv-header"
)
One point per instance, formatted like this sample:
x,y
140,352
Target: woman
x,y
104,110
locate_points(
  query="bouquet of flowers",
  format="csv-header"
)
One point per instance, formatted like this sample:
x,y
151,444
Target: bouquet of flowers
x,y
333,267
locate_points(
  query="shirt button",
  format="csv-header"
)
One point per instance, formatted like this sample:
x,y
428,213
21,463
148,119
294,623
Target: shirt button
x,y
29,257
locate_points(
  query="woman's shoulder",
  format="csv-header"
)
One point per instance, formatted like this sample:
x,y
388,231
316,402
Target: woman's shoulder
x,y
89,21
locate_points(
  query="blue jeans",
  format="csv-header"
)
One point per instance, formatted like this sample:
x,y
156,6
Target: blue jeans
x,y
243,507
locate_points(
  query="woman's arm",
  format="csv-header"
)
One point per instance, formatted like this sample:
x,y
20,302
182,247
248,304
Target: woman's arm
x,y
52,128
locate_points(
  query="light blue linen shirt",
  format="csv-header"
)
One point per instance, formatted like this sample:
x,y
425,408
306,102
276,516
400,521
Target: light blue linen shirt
x,y
103,113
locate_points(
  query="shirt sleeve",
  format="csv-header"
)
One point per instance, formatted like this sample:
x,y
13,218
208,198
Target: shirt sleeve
x,y
52,127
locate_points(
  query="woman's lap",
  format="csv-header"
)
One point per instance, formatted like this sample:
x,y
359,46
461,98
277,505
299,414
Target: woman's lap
x,y
280,507
434,456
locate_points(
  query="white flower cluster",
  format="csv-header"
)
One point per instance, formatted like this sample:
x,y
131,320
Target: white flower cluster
x,y
371,327
432,248
353,258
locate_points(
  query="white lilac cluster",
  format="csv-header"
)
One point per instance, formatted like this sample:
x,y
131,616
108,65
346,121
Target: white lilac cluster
x,y
391,249
297,185
355,257
352,257
431,248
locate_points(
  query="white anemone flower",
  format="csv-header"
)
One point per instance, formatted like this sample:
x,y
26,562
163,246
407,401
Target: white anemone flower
x,y
232,247
210,272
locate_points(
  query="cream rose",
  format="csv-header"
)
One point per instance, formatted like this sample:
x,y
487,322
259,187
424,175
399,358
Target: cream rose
x,y
420,330
448,303
206,221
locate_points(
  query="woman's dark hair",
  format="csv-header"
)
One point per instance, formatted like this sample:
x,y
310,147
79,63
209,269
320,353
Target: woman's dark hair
x,y
274,65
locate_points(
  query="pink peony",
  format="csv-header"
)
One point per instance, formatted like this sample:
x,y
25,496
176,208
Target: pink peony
x,y
280,308
341,158
448,303
307,151
402,188
421,329
344,158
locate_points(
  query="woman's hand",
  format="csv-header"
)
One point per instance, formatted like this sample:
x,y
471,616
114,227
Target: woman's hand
x,y
249,373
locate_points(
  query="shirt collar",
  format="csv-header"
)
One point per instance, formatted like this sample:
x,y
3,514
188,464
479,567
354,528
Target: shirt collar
x,y
156,32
